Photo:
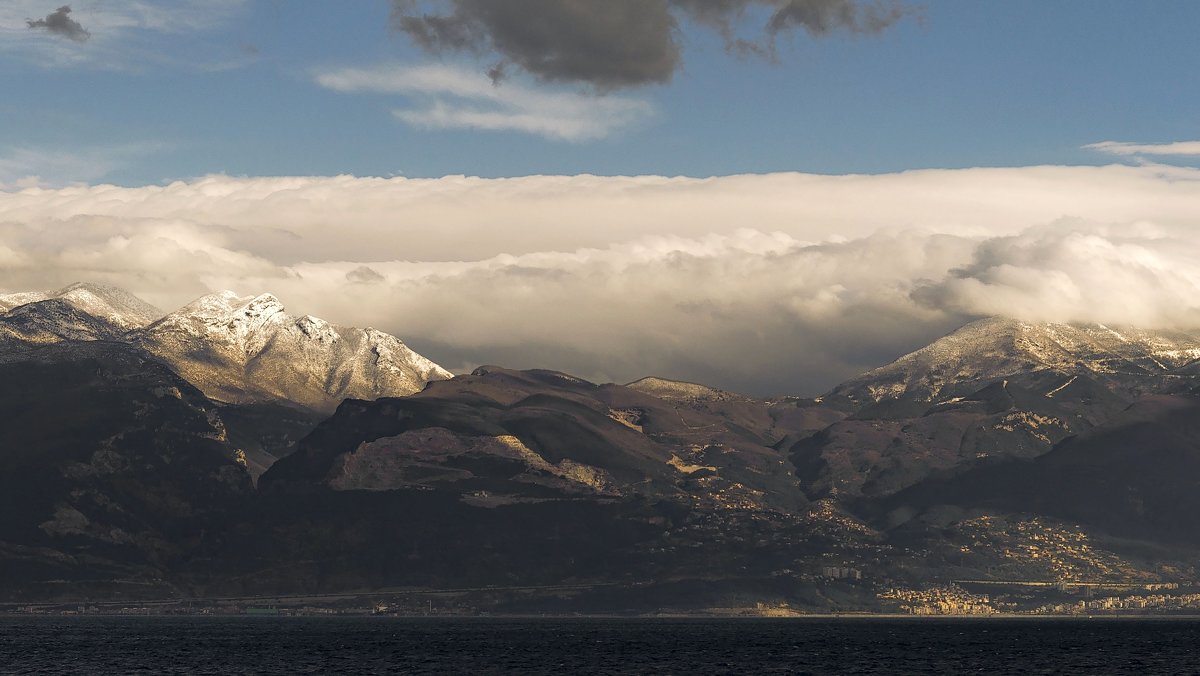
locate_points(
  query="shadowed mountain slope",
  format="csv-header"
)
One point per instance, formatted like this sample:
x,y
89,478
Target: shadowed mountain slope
x,y
112,470
1137,477
997,388
552,431
53,321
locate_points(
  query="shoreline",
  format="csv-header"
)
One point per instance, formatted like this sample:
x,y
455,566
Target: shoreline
x,y
1007,617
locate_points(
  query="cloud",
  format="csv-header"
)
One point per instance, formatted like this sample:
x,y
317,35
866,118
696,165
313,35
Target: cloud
x,y
36,166
364,275
817,17
768,284
1132,275
460,99
59,22
1188,148
616,43
124,35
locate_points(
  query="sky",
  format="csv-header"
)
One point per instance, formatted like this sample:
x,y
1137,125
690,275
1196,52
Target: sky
x,y
764,195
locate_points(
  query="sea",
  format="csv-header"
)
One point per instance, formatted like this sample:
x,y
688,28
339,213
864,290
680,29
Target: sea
x,y
368,645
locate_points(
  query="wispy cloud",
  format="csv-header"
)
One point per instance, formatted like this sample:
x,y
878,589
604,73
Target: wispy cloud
x,y
1178,148
46,167
453,98
110,34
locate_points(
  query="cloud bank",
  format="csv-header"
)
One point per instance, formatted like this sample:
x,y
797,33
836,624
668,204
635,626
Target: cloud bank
x,y
782,283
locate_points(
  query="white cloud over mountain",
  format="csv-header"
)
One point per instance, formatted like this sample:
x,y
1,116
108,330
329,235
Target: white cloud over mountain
x,y
774,283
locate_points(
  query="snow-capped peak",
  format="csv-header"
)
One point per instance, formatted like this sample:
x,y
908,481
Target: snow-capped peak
x,y
229,305
317,329
116,306
996,347
242,322
246,348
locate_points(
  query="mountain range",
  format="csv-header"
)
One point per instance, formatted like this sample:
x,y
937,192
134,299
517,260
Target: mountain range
x,y
230,448
235,349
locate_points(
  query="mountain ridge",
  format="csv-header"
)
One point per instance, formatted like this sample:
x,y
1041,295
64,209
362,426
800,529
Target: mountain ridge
x,y
248,348
960,460
238,349
109,303
992,348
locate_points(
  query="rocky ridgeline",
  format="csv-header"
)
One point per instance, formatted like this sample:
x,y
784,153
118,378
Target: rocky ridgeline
x,y
237,349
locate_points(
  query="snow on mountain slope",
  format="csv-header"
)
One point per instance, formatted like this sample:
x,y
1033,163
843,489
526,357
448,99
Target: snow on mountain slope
x,y
108,303
995,348
248,348
53,321
678,389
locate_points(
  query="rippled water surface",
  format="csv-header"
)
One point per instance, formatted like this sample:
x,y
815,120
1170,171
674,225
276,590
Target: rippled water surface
x,y
209,645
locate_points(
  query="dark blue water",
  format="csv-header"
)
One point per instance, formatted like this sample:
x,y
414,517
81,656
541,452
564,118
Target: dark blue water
x,y
161,645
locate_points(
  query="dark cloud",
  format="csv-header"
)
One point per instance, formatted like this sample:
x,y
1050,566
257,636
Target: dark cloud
x,y
364,275
60,22
820,17
610,44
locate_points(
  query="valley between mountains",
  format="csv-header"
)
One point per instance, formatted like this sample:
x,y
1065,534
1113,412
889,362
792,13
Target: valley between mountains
x,y
229,449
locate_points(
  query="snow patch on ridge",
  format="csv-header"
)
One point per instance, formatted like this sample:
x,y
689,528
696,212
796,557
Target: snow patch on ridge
x,y
993,348
248,348
113,305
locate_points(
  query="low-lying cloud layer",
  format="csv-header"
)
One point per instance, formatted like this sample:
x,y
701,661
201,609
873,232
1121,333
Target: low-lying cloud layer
x,y
784,283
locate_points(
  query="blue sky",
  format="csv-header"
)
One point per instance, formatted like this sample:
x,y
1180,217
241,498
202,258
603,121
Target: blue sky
x,y
233,89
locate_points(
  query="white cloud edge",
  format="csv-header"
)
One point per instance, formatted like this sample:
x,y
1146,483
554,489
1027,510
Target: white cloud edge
x,y
1127,148
118,31
459,98
29,166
